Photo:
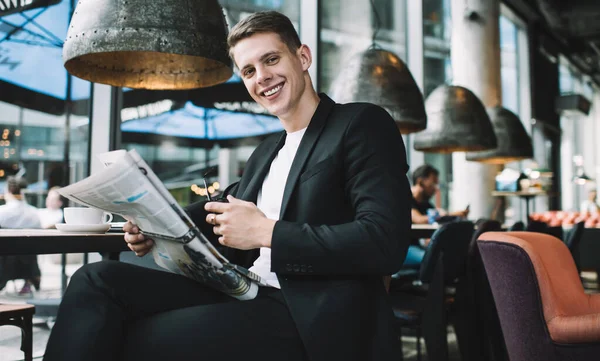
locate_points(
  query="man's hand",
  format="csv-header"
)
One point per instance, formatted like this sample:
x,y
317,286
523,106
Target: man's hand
x,y
136,241
240,224
464,213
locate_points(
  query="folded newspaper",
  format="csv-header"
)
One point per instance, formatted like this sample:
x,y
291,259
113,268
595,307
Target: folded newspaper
x,y
127,186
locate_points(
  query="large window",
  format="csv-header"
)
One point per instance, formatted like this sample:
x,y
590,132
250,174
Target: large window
x,y
578,143
437,71
514,76
509,65
347,28
436,33
39,102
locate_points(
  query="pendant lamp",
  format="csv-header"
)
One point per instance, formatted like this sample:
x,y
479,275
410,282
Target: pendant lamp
x,y
380,77
158,44
513,142
457,122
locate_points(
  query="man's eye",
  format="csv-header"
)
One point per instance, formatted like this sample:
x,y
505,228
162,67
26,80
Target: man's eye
x,y
271,60
248,72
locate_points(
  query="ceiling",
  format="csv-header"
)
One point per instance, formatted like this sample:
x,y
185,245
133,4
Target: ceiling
x,y
572,25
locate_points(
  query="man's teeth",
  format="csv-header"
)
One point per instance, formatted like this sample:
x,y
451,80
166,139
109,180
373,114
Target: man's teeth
x,y
273,91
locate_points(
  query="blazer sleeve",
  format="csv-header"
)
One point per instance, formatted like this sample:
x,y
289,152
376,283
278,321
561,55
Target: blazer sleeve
x,y
375,242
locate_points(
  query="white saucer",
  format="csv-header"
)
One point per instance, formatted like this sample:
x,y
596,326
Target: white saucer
x,y
83,228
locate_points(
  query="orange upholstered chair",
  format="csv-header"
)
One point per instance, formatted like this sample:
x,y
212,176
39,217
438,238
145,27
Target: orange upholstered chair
x,y
543,310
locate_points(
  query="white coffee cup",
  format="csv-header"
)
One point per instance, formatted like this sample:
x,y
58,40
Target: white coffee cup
x,y
84,215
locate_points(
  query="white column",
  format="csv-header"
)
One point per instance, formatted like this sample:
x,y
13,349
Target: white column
x,y
567,151
414,42
475,51
595,118
227,167
100,123
309,34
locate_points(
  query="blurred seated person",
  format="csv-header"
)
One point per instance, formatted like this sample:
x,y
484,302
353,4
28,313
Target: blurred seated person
x,y
425,184
590,205
53,212
16,213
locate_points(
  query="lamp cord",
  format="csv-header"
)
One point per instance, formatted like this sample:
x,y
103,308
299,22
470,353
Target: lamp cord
x,y
377,23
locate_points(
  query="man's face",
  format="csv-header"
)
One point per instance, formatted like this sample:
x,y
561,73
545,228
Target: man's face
x,y
429,185
273,75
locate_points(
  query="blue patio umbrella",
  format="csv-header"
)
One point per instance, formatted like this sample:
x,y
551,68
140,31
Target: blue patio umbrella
x,y
32,74
201,127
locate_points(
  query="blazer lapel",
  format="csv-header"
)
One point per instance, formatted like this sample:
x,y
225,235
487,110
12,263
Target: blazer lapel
x,y
264,164
313,131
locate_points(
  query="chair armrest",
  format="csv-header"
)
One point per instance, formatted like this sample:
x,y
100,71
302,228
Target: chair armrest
x,y
575,329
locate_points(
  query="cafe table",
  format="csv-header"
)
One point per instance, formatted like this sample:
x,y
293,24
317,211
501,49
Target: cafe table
x,y
15,242
50,241
423,230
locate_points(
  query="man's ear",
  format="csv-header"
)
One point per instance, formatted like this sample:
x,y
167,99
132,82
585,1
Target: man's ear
x,y
305,56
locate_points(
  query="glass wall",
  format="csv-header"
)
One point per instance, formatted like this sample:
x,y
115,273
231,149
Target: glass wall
x,y
347,28
509,65
437,71
37,103
514,70
578,143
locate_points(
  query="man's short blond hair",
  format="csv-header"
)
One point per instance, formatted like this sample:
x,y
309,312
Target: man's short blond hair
x,y
265,22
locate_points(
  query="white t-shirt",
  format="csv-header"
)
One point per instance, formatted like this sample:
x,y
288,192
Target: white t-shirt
x,y
49,217
270,197
18,214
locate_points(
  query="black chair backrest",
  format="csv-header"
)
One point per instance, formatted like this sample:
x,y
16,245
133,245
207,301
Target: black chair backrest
x,y
537,226
541,227
451,240
573,240
475,306
574,236
518,226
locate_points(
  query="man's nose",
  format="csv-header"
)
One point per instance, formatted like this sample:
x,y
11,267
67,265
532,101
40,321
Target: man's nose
x,y
263,75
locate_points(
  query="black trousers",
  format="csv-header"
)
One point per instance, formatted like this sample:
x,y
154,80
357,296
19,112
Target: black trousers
x,y
118,311
18,267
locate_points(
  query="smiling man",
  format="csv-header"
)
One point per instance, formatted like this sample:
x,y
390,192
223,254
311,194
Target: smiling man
x,y
322,212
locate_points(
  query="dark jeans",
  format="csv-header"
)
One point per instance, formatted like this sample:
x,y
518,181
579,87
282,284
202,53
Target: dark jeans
x,y
118,311
19,267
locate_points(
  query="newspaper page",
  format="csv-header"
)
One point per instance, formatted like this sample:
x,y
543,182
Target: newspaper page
x,y
127,186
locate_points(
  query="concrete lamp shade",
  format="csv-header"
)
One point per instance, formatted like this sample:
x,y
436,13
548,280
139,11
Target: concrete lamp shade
x,y
514,143
457,122
380,77
159,44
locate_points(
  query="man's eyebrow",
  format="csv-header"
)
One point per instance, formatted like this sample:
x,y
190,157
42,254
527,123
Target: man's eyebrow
x,y
262,58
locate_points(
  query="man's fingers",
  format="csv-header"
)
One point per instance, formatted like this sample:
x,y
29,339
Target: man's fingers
x,y
140,247
134,238
130,228
216,207
215,219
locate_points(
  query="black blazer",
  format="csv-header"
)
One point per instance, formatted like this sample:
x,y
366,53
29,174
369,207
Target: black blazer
x,y
344,223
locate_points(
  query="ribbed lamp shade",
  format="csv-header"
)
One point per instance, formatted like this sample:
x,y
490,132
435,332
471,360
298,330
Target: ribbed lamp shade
x,y
513,141
380,77
457,122
158,44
